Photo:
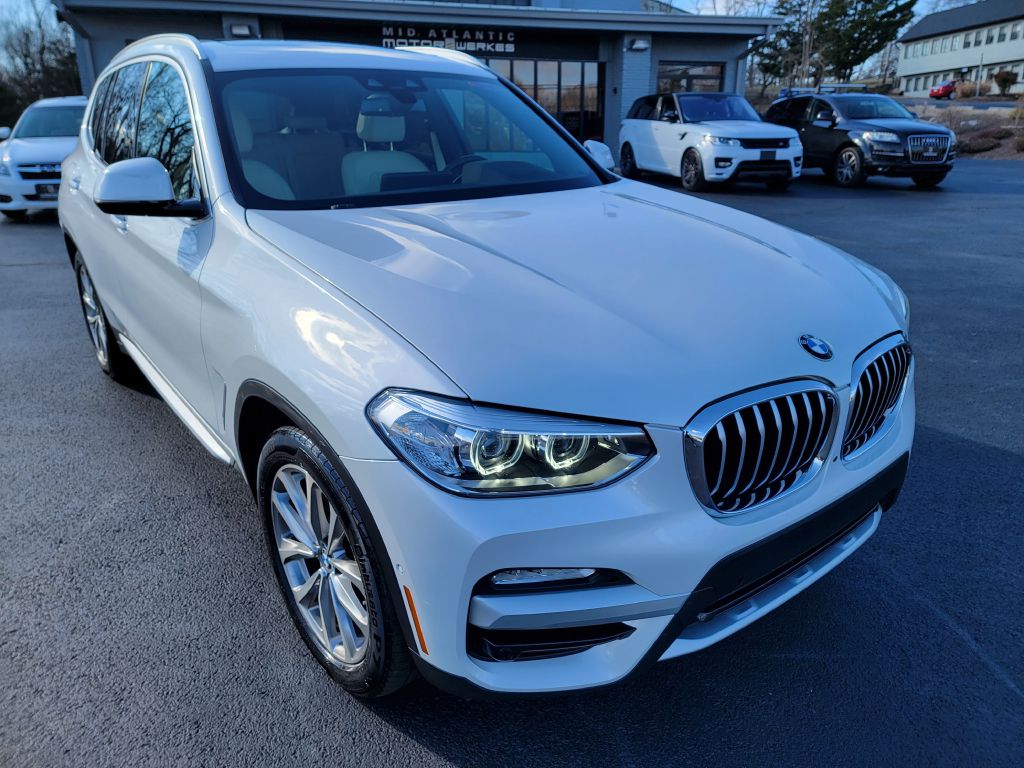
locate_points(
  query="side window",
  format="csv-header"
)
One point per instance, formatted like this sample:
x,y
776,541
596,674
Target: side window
x,y
165,128
796,111
99,112
668,113
122,108
820,106
635,110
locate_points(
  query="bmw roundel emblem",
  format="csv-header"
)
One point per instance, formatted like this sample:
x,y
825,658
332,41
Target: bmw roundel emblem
x,y
816,347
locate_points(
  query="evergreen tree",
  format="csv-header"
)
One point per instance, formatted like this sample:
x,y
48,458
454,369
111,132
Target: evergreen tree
x,y
852,31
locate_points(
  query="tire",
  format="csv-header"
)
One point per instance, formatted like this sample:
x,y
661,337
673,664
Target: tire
x,y
627,163
112,361
778,185
952,95
848,167
928,180
16,215
367,656
691,172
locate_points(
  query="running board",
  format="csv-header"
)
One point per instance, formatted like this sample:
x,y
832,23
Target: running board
x,y
176,403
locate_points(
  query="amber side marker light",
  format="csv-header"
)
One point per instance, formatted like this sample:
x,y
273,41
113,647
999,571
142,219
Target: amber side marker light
x,y
416,620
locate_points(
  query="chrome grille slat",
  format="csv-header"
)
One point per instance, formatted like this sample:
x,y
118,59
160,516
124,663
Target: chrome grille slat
x,y
916,146
876,393
734,459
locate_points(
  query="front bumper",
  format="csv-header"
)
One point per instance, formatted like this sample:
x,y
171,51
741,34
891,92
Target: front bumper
x,y
739,164
892,160
691,585
18,194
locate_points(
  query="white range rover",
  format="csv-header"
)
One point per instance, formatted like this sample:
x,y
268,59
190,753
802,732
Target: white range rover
x,y
510,420
707,138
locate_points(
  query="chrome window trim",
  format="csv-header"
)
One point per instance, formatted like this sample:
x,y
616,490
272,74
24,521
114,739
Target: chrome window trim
x,y
864,359
695,432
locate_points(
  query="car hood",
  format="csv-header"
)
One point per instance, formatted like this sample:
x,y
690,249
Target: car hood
x,y
44,150
744,129
901,126
623,302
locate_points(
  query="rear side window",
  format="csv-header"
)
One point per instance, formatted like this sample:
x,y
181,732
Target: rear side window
x,y
644,109
122,108
165,128
99,113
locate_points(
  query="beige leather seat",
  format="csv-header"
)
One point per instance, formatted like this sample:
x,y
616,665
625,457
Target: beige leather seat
x,y
259,174
362,171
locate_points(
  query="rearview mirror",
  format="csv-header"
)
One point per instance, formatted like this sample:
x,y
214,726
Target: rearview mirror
x,y
5,133
602,153
141,187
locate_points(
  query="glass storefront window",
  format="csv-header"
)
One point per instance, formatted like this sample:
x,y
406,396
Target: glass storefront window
x,y
569,90
676,76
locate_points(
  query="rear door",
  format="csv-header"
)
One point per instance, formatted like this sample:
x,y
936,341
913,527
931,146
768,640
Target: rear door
x,y
164,256
643,135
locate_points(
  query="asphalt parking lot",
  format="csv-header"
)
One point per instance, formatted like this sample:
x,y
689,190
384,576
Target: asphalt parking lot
x,y
140,624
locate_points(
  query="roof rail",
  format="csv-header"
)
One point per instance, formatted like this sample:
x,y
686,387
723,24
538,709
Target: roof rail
x,y
178,37
823,88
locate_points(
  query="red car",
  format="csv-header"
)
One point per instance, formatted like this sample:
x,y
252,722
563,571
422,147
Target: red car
x,y
944,90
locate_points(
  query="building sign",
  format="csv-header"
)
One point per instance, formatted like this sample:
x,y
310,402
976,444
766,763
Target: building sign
x,y
475,40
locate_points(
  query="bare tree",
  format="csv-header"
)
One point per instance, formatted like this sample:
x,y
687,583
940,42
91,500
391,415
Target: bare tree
x,y
37,58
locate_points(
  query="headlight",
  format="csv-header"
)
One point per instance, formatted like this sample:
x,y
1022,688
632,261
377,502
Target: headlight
x,y
721,140
884,137
477,450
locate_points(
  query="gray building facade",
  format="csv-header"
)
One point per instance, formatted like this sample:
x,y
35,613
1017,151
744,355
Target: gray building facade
x,y
585,61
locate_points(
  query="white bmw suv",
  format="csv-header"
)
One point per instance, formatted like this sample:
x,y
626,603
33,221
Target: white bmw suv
x,y
707,138
510,420
31,154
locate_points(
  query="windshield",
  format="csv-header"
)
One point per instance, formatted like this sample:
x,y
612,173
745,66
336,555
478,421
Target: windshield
x,y
869,107
351,138
41,122
701,107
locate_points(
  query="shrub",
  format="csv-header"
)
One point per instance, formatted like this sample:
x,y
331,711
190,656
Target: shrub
x,y
1005,79
967,90
972,145
1020,143
996,133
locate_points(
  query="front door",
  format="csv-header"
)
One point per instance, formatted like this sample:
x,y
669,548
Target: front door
x,y
819,137
164,256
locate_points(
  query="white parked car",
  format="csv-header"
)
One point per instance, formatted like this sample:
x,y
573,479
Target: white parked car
x,y
707,138
31,154
509,419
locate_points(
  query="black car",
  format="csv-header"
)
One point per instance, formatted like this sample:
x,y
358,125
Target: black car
x,y
855,135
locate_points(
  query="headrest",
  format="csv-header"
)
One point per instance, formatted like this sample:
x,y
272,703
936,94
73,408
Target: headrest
x,y
380,121
243,130
307,123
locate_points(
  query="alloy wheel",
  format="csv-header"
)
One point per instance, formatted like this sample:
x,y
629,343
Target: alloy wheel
x,y
628,163
847,166
94,318
318,561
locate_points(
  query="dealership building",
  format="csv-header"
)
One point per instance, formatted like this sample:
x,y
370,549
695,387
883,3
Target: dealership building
x,y
585,61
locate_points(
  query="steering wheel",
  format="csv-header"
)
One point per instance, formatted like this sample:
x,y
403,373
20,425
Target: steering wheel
x,y
456,165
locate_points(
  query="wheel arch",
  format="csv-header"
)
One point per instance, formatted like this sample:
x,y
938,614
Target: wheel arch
x,y
70,246
259,410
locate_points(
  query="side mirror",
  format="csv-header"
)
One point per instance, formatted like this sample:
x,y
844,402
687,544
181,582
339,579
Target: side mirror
x,y
141,187
5,133
602,153
913,114
825,119
670,117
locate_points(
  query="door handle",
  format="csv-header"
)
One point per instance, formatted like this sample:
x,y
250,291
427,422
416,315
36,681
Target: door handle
x,y
121,223
75,183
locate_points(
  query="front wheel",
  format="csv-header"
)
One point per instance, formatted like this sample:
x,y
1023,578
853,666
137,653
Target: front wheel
x,y
952,95
928,180
327,568
111,359
627,163
691,172
848,168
